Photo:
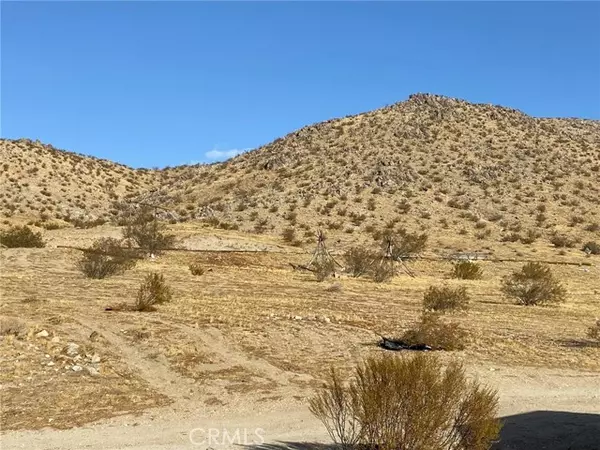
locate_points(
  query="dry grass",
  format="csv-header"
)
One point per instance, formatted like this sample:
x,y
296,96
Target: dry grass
x,y
253,311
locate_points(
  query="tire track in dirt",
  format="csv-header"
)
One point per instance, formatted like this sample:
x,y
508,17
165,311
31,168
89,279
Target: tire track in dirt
x,y
158,374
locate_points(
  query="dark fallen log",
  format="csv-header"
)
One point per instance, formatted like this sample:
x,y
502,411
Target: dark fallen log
x,y
301,267
397,345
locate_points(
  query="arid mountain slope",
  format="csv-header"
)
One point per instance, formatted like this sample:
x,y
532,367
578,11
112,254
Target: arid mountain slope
x,y
431,162
39,181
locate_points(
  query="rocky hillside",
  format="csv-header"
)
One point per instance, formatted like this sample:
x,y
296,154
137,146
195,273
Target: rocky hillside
x,y
431,162
38,181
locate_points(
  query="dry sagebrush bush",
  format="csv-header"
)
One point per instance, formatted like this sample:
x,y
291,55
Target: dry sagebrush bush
x,y
405,243
358,261
435,333
21,237
467,270
148,232
594,331
196,268
382,270
446,298
106,257
153,291
534,284
323,269
413,403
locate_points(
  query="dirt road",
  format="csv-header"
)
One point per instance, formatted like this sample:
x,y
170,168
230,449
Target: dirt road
x,y
543,409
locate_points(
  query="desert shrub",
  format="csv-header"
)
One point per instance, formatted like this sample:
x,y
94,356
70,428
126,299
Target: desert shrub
x,y
196,268
12,326
534,284
407,404
446,298
405,243
153,291
592,248
323,269
435,333
530,237
511,237
562,241
358,261
21,237
83,223
148,232
104,258
382,270
289,234
594,331
467,270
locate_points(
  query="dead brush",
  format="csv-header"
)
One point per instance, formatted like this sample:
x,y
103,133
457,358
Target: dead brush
x,y
446,298
358,261
12,326
594,331
382,270
153,291
467,270
431,331
196,268
323,269
407,404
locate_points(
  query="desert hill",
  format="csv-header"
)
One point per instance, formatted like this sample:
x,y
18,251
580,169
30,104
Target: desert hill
x,y
472,171
38,181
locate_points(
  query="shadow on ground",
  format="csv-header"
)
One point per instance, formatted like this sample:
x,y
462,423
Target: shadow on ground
x,y
538,430
550,430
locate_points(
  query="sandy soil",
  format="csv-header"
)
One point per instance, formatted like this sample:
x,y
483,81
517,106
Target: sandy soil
x,y
563,406
231,362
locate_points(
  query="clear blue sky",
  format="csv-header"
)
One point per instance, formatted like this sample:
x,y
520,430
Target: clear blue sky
x,y
163,83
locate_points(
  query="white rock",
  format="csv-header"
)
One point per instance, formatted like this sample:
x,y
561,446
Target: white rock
x,y
42,334
76,368
55,339
50,364
92,371
72,349
327,320
95,358
298,318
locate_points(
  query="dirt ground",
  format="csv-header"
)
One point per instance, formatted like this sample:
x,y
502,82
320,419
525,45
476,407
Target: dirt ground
x,y
241,348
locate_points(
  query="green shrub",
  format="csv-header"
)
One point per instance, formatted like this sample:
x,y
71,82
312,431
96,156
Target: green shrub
x,y
592,248
534,284
104,258
445,298
407,404
21,237
153,291
467,270
435,333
